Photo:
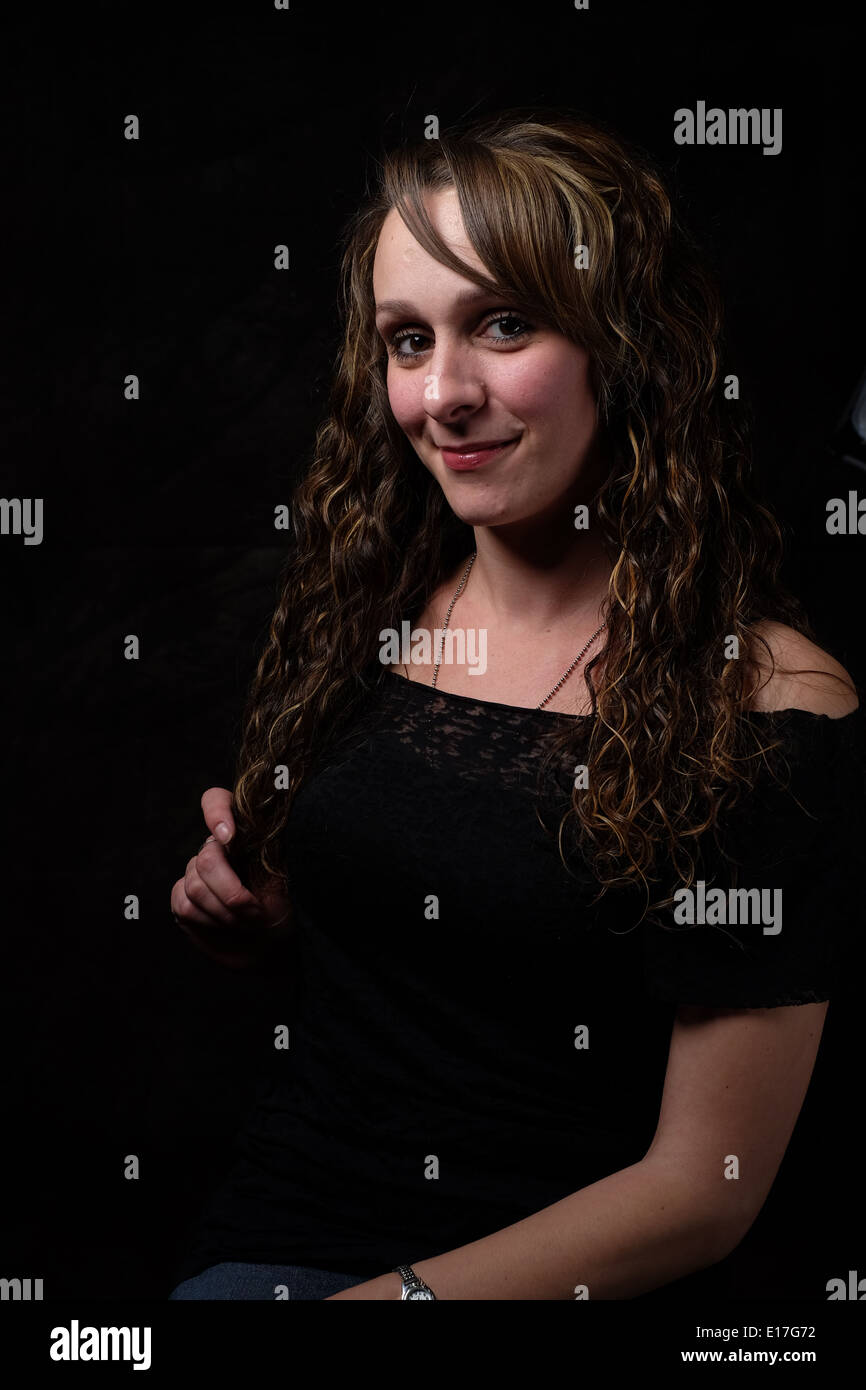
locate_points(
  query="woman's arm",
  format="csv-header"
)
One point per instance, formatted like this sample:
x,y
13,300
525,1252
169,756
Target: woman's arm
x,y
735,1082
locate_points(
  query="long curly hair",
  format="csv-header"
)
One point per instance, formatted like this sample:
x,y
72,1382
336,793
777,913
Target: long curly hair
x,y
695,557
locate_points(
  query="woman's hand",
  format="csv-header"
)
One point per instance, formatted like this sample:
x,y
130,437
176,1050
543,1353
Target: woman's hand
x,y
213,907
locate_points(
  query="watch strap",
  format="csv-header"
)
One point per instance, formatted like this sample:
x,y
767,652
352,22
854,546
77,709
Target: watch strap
x,y
412,1281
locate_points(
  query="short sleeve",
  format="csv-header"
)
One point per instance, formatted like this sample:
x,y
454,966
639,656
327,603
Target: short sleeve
x,y
798,849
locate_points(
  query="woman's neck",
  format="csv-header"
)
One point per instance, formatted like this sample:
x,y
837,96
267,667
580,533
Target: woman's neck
x,y
541,583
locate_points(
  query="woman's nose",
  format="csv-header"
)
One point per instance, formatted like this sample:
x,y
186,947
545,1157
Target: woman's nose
x,y
453,379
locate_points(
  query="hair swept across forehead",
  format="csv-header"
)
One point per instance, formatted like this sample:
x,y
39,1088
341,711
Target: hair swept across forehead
x,y
531,194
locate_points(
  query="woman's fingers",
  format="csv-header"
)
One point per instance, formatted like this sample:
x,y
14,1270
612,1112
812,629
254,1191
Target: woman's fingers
x,y
212,885
184,911
211,894
216,805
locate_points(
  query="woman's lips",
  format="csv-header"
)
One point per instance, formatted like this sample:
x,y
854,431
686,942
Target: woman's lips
x,y
461,460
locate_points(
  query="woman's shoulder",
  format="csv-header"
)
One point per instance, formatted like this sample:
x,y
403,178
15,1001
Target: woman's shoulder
x,y
805,676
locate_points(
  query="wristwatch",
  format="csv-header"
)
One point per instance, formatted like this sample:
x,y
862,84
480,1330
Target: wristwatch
x,y
413,1286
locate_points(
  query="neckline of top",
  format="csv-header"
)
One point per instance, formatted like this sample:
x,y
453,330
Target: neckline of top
x,y
562,714
486,704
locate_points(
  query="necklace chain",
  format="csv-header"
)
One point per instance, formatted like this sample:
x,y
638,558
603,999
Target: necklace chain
x,y
458,591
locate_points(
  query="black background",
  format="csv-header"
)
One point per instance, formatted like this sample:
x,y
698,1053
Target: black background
x,y
156,257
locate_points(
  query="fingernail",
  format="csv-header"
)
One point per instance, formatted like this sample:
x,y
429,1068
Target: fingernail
x,y
222,832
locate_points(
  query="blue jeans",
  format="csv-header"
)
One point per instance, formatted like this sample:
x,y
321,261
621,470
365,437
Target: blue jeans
x,y
233,1279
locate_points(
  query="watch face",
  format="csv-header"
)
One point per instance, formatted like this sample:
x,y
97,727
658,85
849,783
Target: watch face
x,y
419,1293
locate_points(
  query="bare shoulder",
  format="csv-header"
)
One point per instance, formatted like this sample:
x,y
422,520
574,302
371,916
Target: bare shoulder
x,y
811,679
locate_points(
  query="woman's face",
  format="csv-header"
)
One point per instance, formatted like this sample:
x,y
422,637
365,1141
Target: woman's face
x,y
462,373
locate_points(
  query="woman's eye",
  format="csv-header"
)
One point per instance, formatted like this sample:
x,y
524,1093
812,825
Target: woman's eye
x,y
409,334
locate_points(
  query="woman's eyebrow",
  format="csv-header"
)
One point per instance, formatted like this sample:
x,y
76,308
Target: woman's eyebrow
x,y
403,306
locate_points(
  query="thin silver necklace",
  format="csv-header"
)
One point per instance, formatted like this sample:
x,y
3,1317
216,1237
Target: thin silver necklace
x,y
458,591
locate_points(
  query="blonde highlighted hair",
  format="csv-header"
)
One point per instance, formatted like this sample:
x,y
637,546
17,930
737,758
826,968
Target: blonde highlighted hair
x,y
695,556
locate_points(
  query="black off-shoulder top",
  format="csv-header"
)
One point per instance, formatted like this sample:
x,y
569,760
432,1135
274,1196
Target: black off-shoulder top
x,y
472,1040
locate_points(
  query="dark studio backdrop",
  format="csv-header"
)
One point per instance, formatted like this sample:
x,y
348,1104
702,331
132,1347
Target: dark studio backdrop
x,y
258,127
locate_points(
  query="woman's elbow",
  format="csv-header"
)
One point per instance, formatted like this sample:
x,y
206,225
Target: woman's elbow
x,y
726,1232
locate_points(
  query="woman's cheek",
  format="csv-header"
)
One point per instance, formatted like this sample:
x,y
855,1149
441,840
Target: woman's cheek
x,y
536,386
404,400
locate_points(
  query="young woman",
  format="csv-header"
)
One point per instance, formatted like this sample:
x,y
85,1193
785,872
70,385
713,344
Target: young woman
x,y
545,783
